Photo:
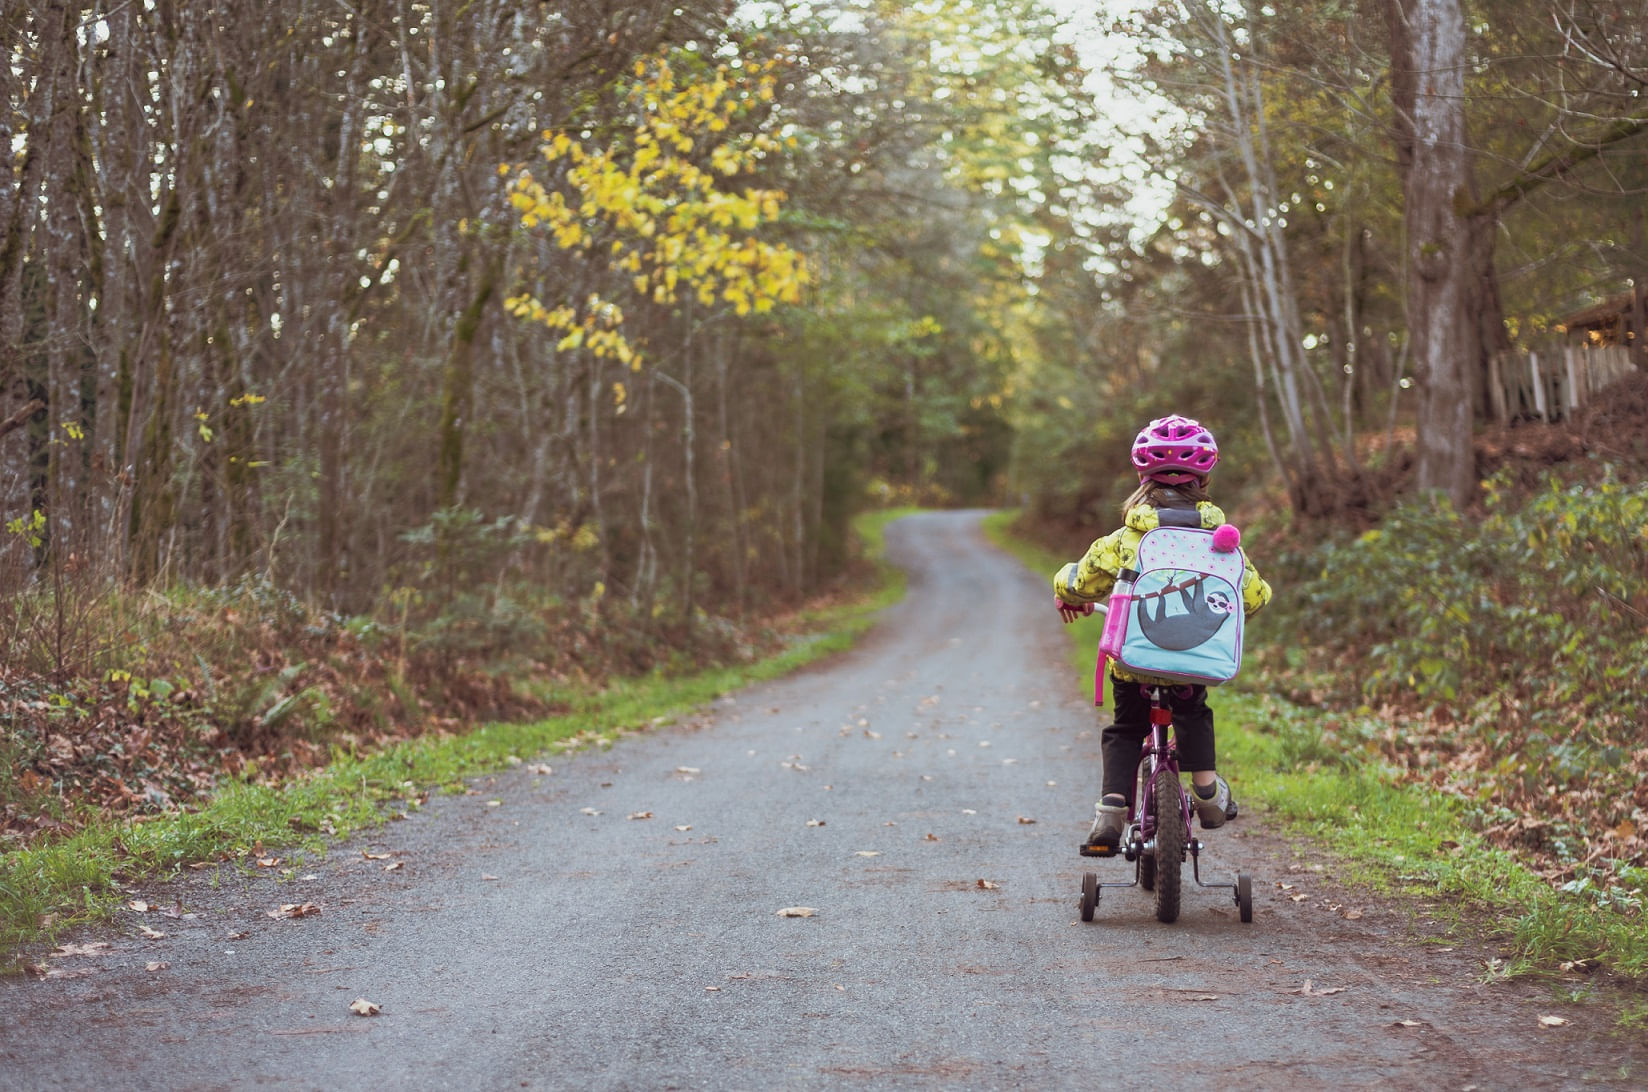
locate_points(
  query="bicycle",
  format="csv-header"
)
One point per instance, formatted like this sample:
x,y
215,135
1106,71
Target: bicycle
x,y
1157,836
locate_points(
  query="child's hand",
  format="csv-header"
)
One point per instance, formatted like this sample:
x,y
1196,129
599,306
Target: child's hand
x,y
1070,613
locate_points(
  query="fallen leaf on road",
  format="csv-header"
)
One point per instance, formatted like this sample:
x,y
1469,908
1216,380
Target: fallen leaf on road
x,y
930,837
1309,990
488,876
684,827
815,822
295,910
968,811
152,934
1025,820
360,1006
540,769
1298,898
688,771
140,906
494,803
241,935
156,965
712,989
1407,1024
640,815
1201,997
868,853
268,862
1352,915
96,947
590,811
1552,1021
393,866
375,856
989,885
797,912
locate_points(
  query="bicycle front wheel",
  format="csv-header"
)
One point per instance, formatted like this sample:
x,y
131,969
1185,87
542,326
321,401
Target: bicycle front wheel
x,y
1171,839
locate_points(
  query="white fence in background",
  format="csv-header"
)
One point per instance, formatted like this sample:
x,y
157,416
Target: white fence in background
x,y
1549,385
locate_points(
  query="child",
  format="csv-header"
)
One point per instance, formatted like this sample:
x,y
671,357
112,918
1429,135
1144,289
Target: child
x,y
1173,456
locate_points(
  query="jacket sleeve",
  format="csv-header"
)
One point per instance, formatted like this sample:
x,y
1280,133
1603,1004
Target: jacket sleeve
x,y
1090,579
1255,589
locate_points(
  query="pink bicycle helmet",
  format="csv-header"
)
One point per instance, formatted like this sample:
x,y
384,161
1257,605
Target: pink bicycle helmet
x,y
1173,450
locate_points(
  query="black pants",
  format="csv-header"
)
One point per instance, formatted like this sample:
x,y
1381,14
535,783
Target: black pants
x,y
1121,743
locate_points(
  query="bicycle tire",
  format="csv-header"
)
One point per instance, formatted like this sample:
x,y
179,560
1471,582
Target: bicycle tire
x,y
1171,839
1147,872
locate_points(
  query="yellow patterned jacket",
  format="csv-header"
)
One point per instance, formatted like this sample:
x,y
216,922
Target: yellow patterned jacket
x,y
1091,579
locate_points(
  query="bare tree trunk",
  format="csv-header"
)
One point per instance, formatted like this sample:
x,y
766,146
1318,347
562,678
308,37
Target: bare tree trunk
x,y
458,394
1428,51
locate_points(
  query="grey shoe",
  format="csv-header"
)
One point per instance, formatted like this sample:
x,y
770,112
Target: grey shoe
x,y
1214,810
1109,820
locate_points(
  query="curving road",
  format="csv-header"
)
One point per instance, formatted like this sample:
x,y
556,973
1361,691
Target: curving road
x,y
924,794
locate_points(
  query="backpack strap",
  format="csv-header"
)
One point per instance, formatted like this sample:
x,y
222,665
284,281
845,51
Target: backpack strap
x,y
1178,517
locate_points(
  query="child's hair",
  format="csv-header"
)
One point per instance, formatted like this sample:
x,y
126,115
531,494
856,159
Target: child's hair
x,y
1154,493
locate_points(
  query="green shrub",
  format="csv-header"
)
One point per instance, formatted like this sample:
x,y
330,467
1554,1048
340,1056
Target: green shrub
x,y
1530,621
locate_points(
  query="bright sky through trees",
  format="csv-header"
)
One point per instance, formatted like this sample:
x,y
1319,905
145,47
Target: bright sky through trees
x,y
1123,107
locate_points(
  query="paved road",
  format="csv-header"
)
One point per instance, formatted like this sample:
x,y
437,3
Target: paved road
x,y
613,925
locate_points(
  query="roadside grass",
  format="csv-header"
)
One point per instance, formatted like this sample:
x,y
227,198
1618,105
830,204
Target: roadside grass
x,y
83,879
1398,839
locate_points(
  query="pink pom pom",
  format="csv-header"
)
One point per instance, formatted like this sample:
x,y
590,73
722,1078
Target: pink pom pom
x,y
1226,537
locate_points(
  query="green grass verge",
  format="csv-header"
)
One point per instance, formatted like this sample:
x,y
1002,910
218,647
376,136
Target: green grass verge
x,y
1394,838
51,888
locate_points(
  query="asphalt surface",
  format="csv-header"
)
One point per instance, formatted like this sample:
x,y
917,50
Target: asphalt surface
x,y
614,924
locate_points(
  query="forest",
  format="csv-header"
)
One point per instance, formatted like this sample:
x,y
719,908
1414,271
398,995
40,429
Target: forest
x,y
356,355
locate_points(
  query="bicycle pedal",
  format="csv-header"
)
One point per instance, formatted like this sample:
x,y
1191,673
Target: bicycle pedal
x,y
1100,851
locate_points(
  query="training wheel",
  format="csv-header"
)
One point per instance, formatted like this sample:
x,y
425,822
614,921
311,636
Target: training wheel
x,y
1244,896
1090,895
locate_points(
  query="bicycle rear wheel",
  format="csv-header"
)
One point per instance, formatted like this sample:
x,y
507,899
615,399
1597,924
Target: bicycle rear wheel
x,y
1171,839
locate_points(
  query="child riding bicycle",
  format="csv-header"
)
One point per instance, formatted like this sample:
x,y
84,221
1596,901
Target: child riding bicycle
x,y
1173,456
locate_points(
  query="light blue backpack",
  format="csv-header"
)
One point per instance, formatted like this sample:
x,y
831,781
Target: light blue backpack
x,y
1177,615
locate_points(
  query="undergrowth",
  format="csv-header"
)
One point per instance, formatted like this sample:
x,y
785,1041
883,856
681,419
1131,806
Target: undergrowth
x,y
1507,657
116,703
